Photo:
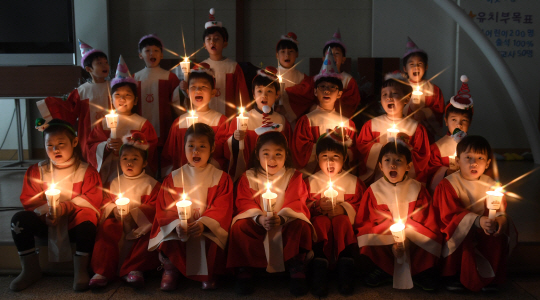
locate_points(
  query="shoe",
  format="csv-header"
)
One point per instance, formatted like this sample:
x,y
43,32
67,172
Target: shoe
x,y
209,285
319,286
81,279
31,272
345,268
490,288
378,277
244,281
135,278
427,280
455,286
169,279
98,281
298,283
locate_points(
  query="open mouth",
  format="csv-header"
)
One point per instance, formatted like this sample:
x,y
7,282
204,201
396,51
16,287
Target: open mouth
x,y
129,170
196,159
105,72
198,98
213,48
153,59
393,174
264,102
58,156
331,170
474,172
416,74
391,105
271,167
326,98
287,60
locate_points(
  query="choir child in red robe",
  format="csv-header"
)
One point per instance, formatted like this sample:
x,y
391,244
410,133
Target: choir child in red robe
x,y
237,144
397,198
458,117
328,89
104,142
76,187
332,216
427,103
476,247
350,99
155,87
376,132
201,91
275,234
121,246
198,249
86,105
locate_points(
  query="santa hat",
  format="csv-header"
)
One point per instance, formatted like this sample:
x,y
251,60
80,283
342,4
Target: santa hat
x,y
136,139
336,39
267,125
329,68
291,36
150,36
86,50
412,48
42,124
202,68
396,75
212,20
463,99
336,135
122,73
269,72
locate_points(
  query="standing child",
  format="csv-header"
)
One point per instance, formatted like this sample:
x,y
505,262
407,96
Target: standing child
x,y
155,87
201,90
276,235
86,105
333,216
395,94
102,147
328,89
210,191
72,218
121,246
476,247
397,198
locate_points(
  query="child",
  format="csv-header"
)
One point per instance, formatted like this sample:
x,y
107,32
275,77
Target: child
x,y
476,247
86,105
397,198
155,87
201,91
328,89
395,94
230,83
428,108
73,218
211,192
350,99
121,246
102,147
272,242
458,116
230,138
332,218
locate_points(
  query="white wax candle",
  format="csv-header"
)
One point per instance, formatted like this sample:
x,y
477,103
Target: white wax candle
x,y
122,204
184,214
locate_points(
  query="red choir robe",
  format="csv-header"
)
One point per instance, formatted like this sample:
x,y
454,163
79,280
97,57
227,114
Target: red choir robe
x,y
230,85
173,156
122,247
385,203
297,93
439,160
229,151
350,99
431,103
373,137
250,245
308,130
106,161
155,92
80,196
478,258
336,233
211,192
85,106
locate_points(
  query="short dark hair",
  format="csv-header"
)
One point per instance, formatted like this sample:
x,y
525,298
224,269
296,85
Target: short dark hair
x,y
453,109
286,44
90,58
334,45
58,126
395,148
423,56
150,41
202,75
221,30
476,144
405,88
132,86
144,153
333,80
201,129
264,81
271,137
326,143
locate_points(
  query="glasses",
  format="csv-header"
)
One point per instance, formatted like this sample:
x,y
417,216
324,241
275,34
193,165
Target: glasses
x,y
198,88
330,88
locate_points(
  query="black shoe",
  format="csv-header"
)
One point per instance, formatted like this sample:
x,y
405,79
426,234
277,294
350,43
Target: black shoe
x,y
319,285
455,286
378,277
490,288
345,268
244,282
427,280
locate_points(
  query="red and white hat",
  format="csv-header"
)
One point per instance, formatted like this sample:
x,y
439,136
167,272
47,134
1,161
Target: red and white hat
x,y
267,125
463,99
122,73
212,20
202,68
328,68
150,36
412,48
269,72
136,139
86,50
396,75
291,36
336,39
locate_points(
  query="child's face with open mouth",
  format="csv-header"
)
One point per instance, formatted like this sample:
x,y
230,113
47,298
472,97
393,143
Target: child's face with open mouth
x,y
273,156
59,148
287,57
132,162
152,56
415,68
200,92
265,95
472,164
393,100
331,162
100,68
394,167
327,93
124,100
198,150
214,43
456,120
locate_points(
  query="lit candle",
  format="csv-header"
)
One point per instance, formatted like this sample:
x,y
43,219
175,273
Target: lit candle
x,y
112,122
184,66
122,205
398,232
452,162
331,193
53,198
241,124
416,95
392,132
184,213
493,201
269,200
194,118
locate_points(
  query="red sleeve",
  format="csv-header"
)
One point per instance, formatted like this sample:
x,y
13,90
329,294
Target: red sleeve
x,y
170,146
296,195
422,216
97,136
304,140
152,139
350,99
90,189
166,211
302,96
420,153
241,87
220,202
365,141
435,160
173,83
354,201
312,199
449,208
245,197
436,103
372,218
148,203
32,195
221,154
287,132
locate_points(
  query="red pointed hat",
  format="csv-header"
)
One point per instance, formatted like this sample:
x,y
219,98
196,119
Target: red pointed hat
x,y
267,124
136,139
463,99
202,68
291,36
212,20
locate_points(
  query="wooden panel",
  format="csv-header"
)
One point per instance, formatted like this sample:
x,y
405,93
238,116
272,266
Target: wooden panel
x,y
38,81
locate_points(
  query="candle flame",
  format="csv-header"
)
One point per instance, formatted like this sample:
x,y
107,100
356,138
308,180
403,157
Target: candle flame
x,y
241,109
342,125
186,58
280,78
192,112
120,195
52,186
268,185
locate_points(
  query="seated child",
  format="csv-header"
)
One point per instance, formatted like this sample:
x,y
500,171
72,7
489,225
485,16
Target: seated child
x,y
121,246
397,198
76,187
458,117
237,145
374,134
476,247
155,87
201,90
333,217
197,250
350,99
104,143
89,103
328,89
276,234
428,108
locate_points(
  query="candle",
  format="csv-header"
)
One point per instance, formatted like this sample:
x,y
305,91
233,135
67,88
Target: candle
x,y
241,124
184,214
122,205
331,193
392,132
53,198
184,66
194,118
398,232
416,95
493,201
452,162
112,122
269,200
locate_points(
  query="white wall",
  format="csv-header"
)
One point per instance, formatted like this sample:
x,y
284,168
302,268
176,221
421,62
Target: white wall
x,y
91,24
